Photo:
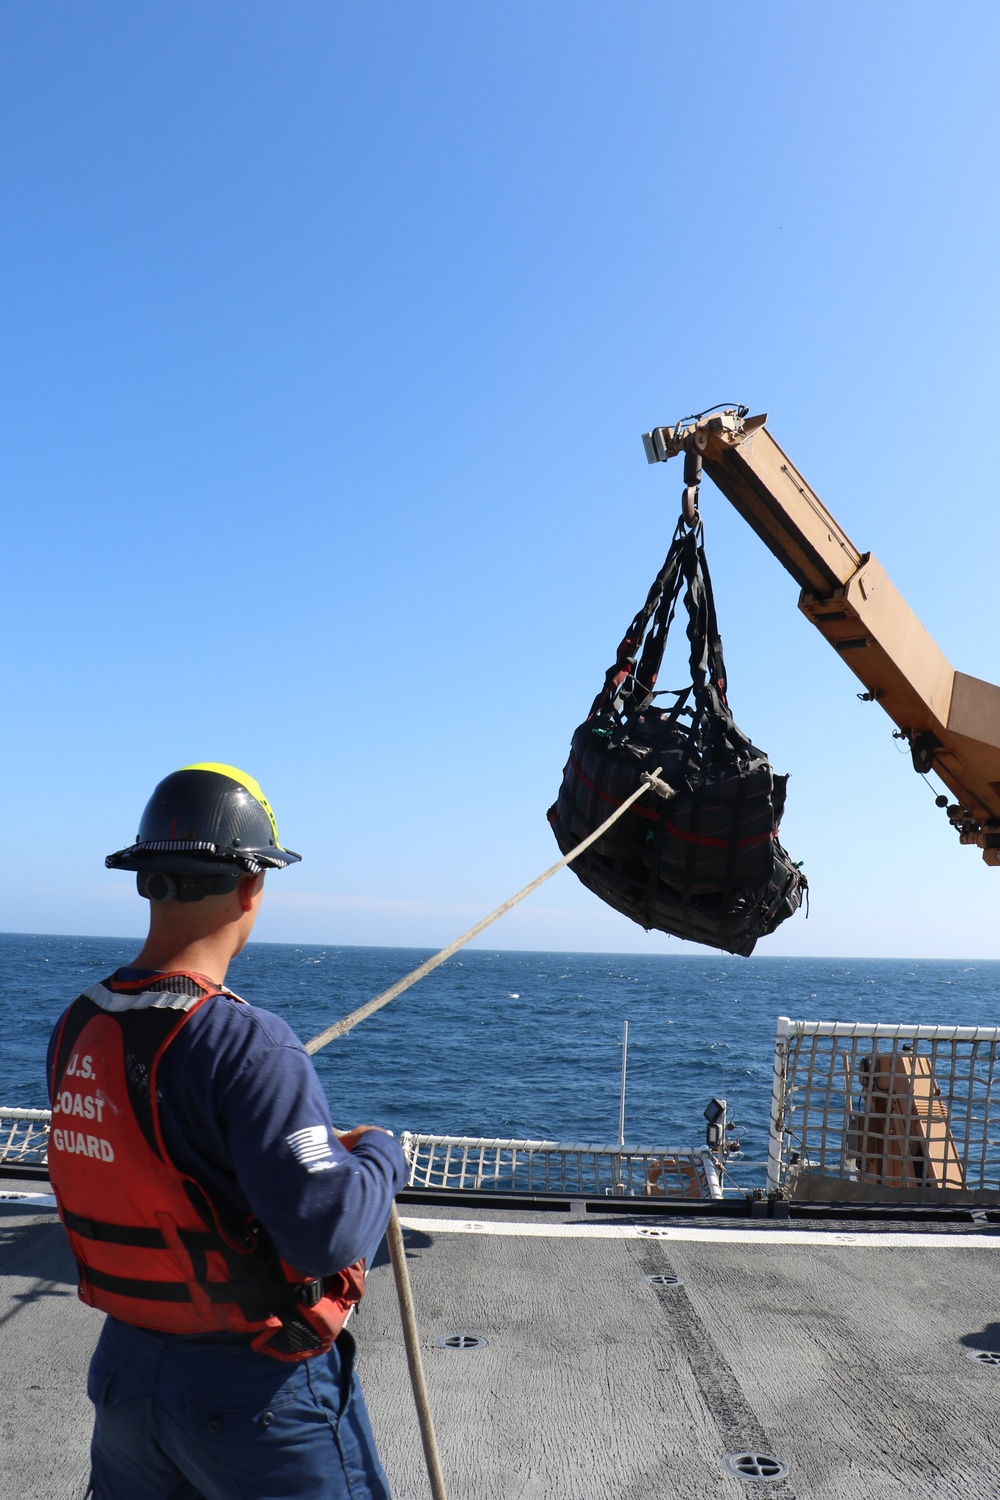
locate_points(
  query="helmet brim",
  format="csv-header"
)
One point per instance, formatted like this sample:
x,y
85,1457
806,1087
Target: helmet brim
x,y
193,861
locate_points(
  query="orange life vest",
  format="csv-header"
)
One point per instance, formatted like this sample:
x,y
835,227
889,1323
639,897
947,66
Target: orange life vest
x,y
151,1247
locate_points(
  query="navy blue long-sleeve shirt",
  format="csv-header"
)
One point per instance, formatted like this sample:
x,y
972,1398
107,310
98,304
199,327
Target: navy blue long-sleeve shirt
x,y
242,1112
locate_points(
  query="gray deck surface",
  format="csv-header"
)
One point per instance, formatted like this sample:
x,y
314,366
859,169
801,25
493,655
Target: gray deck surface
x,y
847,1360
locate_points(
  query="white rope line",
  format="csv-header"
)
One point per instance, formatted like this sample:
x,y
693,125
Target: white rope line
x,y
397,1251
341,1028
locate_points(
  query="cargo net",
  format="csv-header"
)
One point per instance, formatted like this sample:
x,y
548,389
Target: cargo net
x,y
885,1113
476,1163
701,858
24,1137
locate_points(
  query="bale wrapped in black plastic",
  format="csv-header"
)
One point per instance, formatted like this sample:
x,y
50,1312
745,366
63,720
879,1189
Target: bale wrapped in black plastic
x,y
703,861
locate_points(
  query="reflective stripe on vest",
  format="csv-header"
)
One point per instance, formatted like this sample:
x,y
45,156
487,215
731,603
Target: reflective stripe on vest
x,y
151,1247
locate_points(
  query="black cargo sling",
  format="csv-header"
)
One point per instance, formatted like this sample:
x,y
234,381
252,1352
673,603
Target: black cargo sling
x,y
705,864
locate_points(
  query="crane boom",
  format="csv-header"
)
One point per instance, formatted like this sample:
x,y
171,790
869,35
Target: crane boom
x,y
951,720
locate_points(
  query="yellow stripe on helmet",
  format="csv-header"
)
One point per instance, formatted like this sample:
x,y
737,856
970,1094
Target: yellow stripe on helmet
x,y
253,787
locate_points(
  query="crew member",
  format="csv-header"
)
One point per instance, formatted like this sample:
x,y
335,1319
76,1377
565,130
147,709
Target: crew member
x,y
214,1213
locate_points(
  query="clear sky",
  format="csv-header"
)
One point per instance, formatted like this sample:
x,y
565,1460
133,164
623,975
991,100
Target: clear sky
x,y
329,334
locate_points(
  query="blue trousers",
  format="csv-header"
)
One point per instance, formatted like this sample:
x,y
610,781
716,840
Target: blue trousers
x,y
204,1419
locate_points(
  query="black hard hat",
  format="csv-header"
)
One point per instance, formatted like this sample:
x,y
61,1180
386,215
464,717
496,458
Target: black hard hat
x,y
206,818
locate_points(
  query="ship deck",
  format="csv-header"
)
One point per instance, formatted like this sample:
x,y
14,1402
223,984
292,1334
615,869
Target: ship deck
x,y
838,1346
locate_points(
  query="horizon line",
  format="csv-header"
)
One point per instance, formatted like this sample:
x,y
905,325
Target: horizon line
x,y
474,947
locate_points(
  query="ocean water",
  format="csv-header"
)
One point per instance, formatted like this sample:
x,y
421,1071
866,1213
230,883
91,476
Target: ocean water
x,y
523,1044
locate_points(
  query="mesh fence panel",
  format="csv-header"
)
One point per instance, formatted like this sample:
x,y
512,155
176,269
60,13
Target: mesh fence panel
x,y
890,1112
583,1170
475,1162
24,1137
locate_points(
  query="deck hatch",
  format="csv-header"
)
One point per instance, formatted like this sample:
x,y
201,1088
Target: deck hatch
x,y
460,1341
756,1467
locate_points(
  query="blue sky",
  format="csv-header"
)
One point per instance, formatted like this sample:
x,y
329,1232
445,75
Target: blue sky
x,y
329,334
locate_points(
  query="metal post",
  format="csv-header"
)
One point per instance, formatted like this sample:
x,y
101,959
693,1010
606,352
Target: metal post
x,y
621,1108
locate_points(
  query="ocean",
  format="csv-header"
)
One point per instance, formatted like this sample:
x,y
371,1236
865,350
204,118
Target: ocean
x,y
524,1044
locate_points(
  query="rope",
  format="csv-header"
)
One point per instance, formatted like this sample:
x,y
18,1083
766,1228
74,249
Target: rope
x,y
394,1234
341,1028
397,1254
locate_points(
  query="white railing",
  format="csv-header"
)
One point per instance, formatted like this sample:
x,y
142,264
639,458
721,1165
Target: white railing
x,y
465,1162
24,1137
460,1163
875,1111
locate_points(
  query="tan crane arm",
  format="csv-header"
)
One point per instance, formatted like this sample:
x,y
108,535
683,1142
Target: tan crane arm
x,y
952,721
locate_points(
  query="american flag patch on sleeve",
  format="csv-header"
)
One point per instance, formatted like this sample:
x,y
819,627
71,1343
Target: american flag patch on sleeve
x,y
311,1148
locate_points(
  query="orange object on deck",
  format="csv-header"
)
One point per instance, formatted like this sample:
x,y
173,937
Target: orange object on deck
x,y
904,1135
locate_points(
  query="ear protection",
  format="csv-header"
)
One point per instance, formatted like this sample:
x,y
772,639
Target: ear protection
x,y
155,886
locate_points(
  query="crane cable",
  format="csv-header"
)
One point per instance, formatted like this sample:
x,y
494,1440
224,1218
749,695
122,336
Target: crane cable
x,y
394,1233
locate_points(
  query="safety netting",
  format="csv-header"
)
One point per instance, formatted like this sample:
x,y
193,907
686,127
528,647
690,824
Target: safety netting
x,y
24,1137
883,1112
460,1163
701,860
